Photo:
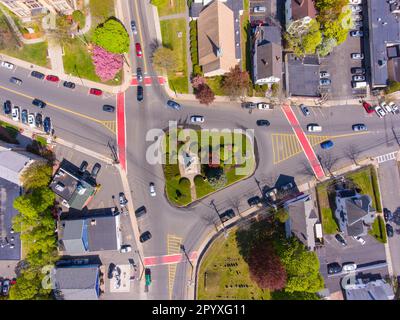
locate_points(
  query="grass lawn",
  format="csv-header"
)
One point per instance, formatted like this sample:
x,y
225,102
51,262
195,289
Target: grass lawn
x,y
215,83
174,188
41,140
329,223
221,281
203,188
101,10
34,53
168,7
178,81
11,129
378,230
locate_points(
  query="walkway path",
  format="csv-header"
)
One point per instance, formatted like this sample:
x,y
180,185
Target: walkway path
x,y
87,26
55,54
174,16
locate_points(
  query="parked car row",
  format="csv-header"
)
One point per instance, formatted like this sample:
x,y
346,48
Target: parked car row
x,y
385,108
324,78
335,267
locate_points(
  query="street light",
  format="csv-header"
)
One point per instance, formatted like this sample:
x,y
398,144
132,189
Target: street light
x,y
187,257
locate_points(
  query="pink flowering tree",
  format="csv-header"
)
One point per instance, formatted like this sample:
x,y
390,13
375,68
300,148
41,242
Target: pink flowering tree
x,y
106,64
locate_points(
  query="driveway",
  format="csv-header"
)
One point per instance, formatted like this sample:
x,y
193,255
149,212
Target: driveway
x,y
389,180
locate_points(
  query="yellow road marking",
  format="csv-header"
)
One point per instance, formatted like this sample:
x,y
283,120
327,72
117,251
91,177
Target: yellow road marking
x,y
173,247
141,37
102,122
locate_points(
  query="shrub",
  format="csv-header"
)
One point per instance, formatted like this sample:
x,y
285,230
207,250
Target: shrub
x,y
184,182
393,86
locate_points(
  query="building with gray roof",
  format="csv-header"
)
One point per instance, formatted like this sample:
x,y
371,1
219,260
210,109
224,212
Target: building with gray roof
x,y
12,164
369,290
76,282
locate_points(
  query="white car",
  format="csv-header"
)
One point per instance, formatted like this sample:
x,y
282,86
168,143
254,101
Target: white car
x,y
357,56
15,113
380,112
31,120
359,239
349,267
324,74
259,9
7,65
197,119
386,107
314,127
125,248
358,78
355,1
152,189
394,107
263,106
355,8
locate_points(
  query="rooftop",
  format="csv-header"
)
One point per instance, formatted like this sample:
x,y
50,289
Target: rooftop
x,y
11,164
372,290
302,9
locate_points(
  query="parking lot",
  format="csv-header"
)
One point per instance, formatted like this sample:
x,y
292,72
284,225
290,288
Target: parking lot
x,y
272,10
372,252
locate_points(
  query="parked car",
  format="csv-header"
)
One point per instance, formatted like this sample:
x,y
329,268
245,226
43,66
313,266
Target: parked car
x,y
357,56
386,107
348,267
139,74
394,107
259,9
47,125
38,103
38,75
389,230
24,116
197,119
140,211
226,215
249,105
139,93
314,127
328,144
7,107
83,166
358,78
15,113
16,81
263,123
324,74
340,239
133,27
355,1
125,248
357,24
31,120
122,199
380,112
253,201
357,70
359,127
387,214
356,33
38,120
368,108
324,82
52,78
145,236
6,287
334,267
69,84
355,8
95,170
359,239
108,108
96,92
174,105
111,268
264,106
138,48
152,189
7,65
305,110
357,17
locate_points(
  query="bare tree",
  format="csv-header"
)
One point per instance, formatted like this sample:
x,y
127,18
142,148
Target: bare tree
x,y
210,219
352,152
235,203
328,160
306,169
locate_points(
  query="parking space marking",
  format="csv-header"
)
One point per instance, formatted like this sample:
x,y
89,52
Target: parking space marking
x,y
173,247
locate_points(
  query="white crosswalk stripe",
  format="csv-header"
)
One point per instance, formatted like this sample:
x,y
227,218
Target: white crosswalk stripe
x,y
386,157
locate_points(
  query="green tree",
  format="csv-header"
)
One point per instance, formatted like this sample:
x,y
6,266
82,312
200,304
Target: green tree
x,y
306,42
36,175
282,215
326,46
164,59
29,286
337,29
112,36
302,266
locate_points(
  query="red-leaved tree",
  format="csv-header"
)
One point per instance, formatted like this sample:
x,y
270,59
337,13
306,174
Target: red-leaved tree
x,y
204,94
266,268
106,64
198,81
235,82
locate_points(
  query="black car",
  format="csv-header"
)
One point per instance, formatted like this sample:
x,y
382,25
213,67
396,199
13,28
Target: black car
x,y
7,107
174,105
145,236
38,120
24,116
387,214
228,214
359,71
139,93
38,103
47,125
140,211
95,170
340,239
253,201
108,108
16,81
334,267
83,166
122,199
37,74
139,74
389,230
69,84
263,123
249,105
111,269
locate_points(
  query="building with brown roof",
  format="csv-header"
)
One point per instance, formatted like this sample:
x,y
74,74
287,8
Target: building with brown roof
x,y
216,39
296,10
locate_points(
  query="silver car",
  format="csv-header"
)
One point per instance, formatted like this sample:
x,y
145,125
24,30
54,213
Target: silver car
x,y
357,56
197,119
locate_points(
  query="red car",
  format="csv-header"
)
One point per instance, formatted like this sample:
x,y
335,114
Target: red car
x,y
96,92
138,49
368,108
52,78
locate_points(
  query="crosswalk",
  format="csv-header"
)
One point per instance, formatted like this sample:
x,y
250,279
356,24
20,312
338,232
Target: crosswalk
x,y
148,81
173,247
386,157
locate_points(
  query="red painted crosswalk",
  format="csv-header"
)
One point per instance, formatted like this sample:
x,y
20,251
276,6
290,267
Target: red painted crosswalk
x,y
121,138
168,259
148,81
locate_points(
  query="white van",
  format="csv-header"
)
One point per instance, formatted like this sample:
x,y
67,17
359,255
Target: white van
x,y
313,127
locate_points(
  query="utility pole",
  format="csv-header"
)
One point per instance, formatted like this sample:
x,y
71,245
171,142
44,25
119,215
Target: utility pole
x,y
190,262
